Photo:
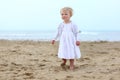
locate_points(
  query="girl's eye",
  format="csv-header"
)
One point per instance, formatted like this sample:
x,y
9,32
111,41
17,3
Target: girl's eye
x,y
64,14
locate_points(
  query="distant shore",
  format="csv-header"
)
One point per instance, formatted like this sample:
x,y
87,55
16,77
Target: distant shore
x,y
37,60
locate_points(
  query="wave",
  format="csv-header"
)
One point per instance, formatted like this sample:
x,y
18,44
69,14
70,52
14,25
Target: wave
x,y
48,35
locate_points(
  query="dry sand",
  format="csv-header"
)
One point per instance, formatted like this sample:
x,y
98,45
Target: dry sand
x,y
37,60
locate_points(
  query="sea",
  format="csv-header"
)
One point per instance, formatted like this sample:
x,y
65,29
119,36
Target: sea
x,y
48,35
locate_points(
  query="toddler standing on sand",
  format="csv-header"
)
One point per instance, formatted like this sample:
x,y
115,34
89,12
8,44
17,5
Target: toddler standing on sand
x,y
68,36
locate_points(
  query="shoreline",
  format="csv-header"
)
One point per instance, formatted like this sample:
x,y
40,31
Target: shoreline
x,y
48,35
101,41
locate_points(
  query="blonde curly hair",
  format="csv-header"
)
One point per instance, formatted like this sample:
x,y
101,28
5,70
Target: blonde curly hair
x,y
67,9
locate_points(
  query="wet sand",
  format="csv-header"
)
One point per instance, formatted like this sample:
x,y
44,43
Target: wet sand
x,y
37,60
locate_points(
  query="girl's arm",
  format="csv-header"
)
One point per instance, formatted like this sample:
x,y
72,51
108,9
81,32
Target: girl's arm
x,y
59,31
76,33
77,39
57,35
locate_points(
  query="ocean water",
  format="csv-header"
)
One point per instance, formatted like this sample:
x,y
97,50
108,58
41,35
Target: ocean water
x,y
49,35
100,36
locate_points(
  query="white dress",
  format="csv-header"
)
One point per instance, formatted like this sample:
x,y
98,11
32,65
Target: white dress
x,y
67,34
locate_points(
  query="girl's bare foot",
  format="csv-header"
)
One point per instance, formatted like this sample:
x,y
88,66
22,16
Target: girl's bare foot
x,y
71,64
71,67
63,64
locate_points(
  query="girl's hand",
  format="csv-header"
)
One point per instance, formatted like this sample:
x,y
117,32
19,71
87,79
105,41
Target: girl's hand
x,y
77,43
53,41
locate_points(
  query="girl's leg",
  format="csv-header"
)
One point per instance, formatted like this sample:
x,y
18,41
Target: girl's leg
x,y
64,62
71,64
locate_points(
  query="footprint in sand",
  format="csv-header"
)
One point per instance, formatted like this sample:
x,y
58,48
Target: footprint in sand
x,y
29,75
13,51
85,58
103,52
69,77
45,60
4,64
57,68
34,59
16,64
90,77
111,79
84,65
117,49
64,67
2,67
41,65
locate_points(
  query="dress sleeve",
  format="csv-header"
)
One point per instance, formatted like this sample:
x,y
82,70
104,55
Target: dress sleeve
x,y
59,32
76,31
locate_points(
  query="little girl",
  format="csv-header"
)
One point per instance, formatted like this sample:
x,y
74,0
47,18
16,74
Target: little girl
x,y
68,36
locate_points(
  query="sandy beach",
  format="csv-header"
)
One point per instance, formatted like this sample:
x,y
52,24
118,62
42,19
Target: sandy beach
x,y
37,60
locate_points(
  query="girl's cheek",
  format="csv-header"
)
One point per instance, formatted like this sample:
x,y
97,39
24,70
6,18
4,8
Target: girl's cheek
x,y
63,17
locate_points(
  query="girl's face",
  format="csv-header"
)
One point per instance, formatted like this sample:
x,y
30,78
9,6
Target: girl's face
x,y
65,16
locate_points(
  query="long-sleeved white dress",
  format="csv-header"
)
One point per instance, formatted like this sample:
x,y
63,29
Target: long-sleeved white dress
x,y
67,34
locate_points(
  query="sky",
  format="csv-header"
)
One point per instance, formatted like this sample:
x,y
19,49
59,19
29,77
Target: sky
x,y
89,15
